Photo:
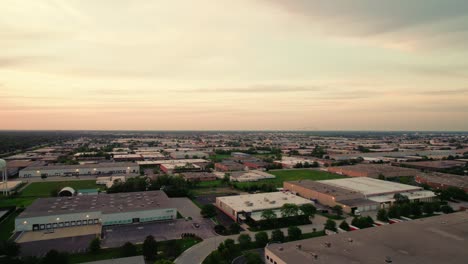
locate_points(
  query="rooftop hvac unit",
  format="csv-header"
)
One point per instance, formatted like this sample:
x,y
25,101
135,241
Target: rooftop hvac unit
x,y
272,202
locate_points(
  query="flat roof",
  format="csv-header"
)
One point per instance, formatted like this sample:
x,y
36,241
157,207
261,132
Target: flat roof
x,y
436,164
82,166
174,161
376,168
370,186
446,179
438,239
105,203
261,201
335,191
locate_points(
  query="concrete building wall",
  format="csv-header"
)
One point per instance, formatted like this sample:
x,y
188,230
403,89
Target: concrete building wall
x,y
142,216
271,258
56,221
322,198
79,171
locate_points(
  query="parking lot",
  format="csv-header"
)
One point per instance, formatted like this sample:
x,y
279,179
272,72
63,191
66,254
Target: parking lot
x,y
115,236
70,244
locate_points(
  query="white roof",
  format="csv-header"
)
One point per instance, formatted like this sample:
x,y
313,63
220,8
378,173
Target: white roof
x,y
370,186
262,201
410,195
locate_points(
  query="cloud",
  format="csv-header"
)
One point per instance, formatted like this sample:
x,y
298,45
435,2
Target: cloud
x,y
258,89
420,23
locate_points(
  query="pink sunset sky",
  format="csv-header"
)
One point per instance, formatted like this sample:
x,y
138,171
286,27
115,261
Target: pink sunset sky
x,y
233,65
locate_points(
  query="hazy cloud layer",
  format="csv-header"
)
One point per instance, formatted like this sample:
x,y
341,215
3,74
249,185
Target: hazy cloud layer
x,y
268,64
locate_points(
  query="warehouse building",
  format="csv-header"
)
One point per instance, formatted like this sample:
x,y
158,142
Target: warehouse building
x,y
239,207
102,209
361,193
373,171
435,165
438,239
443,180
329,195
382,191
108,168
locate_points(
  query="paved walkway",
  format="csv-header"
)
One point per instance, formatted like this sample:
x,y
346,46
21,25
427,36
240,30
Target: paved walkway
x,y
199,252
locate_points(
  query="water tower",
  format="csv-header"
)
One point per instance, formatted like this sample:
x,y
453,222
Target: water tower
x,y
3,170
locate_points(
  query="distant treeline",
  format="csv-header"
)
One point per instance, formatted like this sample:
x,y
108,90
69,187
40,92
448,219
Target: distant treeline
x,y
12,141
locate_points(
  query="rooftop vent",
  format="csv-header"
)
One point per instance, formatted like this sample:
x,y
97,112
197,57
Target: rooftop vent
x,y
327,244
298,246
280,248
388,259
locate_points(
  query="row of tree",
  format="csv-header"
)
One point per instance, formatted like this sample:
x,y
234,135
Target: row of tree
x,y
229,250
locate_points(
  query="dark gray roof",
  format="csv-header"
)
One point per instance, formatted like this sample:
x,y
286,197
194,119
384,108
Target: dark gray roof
x,y
438,239
106,203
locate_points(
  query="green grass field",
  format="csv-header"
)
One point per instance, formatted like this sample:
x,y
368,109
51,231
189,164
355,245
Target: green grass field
x,y
8,225
294,175
43,189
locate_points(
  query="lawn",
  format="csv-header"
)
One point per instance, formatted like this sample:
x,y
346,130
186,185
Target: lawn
x,y
43,189
210,184
219,157
293,175
16,201
8,225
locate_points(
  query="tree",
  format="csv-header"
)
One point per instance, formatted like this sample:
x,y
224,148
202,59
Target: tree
x,y
405,210
261,238
277,236
428,209
244,241
220,229
9,248
446,209
234,228
338,210
400,198
208,211
308,210
415,209
289,210
344,225
394,211
95,245
54,257
150,248
382,215
268,215
128,250
330,225
294,233
252,258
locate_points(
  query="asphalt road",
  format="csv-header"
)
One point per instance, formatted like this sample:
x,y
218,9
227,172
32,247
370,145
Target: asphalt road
x,y
199,252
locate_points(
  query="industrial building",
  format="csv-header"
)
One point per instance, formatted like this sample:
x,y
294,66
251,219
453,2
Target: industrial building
x,y
329,195
239,207
373,171
108,168
435,165
228,165
198,176
438,239
102,209
361,193
443,180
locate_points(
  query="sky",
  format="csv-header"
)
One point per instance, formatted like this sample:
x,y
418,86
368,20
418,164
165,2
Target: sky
x,y
234,65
